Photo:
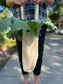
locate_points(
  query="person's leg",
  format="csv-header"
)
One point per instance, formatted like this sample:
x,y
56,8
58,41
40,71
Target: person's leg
x,y
19,49
37,69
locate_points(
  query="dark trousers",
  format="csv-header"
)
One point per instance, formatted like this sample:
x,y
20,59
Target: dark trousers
x,y
37,69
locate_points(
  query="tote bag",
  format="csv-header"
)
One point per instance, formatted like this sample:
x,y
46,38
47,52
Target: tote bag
x,y
29,46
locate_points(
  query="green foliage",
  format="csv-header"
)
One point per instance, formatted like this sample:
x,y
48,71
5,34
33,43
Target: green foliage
x,y
2,38
17,24
4,25
54,17
3,2
57,5
5,13
55,14
34,26
13,27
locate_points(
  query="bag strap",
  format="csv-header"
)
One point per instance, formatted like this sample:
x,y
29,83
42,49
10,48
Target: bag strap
x,y
36,11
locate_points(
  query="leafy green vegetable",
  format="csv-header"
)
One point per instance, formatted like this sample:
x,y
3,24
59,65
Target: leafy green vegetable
x,y
15,27
34,25
4,24
17,24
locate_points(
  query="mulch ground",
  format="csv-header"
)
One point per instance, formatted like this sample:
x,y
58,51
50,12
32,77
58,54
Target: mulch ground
x,y
5,54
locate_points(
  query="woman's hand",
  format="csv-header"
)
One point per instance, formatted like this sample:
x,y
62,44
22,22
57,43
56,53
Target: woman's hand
x,y
38,1
21,2
11,3
47,2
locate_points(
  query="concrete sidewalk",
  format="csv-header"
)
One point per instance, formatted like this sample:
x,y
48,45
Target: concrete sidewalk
x,y
52,68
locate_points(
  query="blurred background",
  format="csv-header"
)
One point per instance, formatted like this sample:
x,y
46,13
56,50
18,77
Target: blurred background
x,y
8,46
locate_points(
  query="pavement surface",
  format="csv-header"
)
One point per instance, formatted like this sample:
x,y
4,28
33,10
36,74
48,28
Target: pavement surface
x,y
52,66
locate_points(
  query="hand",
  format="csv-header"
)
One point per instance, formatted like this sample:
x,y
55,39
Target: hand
x,y
49,2
11,3
37,1
21,2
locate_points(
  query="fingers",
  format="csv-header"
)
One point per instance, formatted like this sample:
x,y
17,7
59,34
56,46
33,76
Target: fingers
x,y
21,2
38,1
28,0
49,2
17,2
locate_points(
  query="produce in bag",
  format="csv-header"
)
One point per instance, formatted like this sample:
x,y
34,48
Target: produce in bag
x,y
29,46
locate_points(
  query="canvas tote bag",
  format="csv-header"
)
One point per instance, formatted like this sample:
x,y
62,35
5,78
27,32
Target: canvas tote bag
x,y
29,46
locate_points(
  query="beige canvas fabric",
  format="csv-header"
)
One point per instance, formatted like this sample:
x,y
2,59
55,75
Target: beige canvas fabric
x,y
29,46
29,51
